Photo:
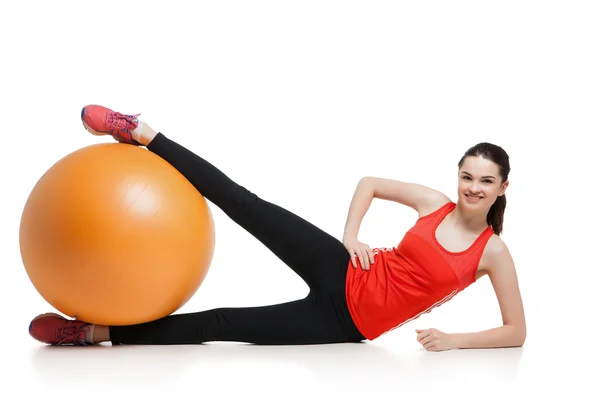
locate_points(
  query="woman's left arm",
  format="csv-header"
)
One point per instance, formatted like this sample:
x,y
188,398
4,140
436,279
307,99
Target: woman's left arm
x,y
512,333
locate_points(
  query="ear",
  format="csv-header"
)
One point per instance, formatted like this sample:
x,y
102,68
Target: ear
x,y
503,188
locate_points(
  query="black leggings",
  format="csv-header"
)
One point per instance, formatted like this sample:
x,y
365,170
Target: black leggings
x,y
318,258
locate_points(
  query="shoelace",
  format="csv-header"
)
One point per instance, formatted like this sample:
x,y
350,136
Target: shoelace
x,y
119,120
121,123
72,332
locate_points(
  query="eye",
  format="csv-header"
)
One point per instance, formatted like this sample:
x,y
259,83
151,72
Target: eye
x,y
486,180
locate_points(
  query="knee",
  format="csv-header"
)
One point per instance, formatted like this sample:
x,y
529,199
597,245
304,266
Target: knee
x,y
243,197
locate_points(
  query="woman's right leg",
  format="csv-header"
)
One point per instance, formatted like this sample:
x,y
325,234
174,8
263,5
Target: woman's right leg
x,y
312,253
309,251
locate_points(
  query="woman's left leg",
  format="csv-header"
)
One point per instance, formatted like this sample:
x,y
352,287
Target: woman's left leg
x,y
321,317
312,320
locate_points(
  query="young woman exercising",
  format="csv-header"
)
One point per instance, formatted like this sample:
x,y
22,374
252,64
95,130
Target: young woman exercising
x,y
356,293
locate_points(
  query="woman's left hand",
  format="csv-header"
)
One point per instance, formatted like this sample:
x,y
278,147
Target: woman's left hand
x,y
434,340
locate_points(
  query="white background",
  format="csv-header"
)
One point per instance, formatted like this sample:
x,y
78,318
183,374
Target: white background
x,y
297,100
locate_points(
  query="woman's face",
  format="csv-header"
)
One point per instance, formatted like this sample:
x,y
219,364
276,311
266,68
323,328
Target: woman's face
x,y
479,178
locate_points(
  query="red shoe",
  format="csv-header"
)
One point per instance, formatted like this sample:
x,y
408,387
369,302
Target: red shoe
x,y
100,120
54,329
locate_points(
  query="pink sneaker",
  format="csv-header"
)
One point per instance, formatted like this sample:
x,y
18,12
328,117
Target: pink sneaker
x,y
100,120
54,329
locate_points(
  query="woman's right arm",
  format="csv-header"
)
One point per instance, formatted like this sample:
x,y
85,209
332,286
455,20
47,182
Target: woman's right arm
x,y
361,201
409,194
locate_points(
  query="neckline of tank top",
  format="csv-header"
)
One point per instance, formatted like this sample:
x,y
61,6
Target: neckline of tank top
x,y
444,211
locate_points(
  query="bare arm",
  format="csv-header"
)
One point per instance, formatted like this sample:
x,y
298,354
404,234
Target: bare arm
x,y
504,280
513,331
361,201
409,194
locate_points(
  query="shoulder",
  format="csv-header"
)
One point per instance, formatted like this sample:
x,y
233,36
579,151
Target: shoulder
x,y
495,254
496,246
433,203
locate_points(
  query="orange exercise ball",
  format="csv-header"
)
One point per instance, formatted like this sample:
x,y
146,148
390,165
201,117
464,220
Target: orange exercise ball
x,y
112,234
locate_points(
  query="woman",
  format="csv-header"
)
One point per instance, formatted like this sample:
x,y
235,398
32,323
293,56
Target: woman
x,y
356,293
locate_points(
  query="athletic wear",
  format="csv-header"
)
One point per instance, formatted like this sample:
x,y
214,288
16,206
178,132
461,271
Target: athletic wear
x,y
412,278
101,120
56,330
318,258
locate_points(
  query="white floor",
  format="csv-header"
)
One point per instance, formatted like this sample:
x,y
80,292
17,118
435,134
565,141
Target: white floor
x,y
357,371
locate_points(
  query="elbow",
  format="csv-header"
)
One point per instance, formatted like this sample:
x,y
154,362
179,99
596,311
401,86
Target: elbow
x,y
519,335
366,183
520,340
365,180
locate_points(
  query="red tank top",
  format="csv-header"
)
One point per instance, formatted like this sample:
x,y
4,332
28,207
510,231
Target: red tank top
x,y
411,279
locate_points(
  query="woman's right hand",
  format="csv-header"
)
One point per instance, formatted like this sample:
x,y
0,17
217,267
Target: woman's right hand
x,y
360,251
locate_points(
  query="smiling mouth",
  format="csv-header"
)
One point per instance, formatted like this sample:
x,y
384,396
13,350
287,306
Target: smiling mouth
x,y
473,197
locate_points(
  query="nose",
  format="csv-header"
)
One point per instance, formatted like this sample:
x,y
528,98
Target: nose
x,y
474,188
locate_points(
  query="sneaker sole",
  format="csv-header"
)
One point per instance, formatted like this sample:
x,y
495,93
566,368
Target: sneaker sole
x,y
48,315
87,128
93,132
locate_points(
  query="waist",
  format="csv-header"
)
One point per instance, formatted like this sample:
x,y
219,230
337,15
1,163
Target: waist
x,y
389,295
